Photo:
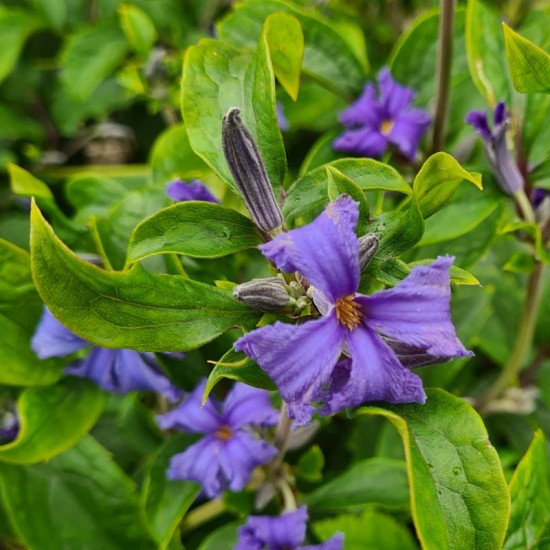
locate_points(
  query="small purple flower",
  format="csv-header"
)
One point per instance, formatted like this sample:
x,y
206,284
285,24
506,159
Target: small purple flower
x,y
195,190
114,370
285,532
225,457
9,426
504,166
303,359
375,123
538,196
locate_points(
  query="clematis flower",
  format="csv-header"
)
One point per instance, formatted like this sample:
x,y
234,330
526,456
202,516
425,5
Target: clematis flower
x,y
225,457
504,166
195,190
285,532
303,359
114,370
374,123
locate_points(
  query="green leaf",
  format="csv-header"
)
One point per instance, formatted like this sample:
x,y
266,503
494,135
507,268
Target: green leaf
x,y
534,232
133,309
530,491
15,27
216,77
459,498
285,41
165,500
54,11
310,191
172,157
380,481
221,539
90,56
53,419
437,180
137,26
80,499
25,184
371,529
486,53
328,56
529,64
311,463
235,365
193,228
339,184
20,309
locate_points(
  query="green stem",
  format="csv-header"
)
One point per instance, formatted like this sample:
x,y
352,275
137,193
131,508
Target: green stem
x,y
525,206
281,437
444,62
524,339
202,514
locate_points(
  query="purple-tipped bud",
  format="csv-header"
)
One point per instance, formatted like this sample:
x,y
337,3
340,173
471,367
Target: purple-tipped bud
x,y
9,426
368,245
267,295
245,163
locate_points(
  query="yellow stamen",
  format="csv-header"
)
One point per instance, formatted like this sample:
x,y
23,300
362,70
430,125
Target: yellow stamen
x,y
348,312
386,126
224,433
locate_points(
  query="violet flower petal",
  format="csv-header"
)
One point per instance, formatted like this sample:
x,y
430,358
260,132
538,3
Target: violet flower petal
x,y
407,131
478,120
365,141
394,97
52,339
240,454
366,110
417,311
336,542
247,405
325,252
191,416
195,190
299,359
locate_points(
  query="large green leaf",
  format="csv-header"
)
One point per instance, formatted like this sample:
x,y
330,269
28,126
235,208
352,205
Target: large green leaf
x,y
217,77
80,499
20,309
53,419
486,53
15,27
137,26
529,64
380,481
166,501
437,180
530,491
310,191
89,56
133,309
329,56
369,530
459,498
193,228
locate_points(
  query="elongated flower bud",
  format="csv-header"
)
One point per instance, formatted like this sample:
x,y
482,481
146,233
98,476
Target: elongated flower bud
x,y
368,245
267,295
245,163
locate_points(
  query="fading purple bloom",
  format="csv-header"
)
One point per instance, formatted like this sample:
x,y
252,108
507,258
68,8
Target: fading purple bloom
x,y
114,370
538,196
504,166
285,532
303,360
374,123
9,426
195,190
225,457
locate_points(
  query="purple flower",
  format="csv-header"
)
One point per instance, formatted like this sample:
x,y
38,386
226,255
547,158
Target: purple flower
x,y
225,457
303,359
494,142
114,370
538,196
285,532
180,191
9,426
281,118
375,123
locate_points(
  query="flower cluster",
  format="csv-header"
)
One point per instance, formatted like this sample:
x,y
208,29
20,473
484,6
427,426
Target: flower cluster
x,y
114,370
225,457
374,123
304,361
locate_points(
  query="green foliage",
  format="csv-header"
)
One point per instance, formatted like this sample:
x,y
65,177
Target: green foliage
x,y
138,28
459,498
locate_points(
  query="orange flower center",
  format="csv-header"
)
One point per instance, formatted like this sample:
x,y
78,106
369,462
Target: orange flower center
x,y
386,126
224,432
348,312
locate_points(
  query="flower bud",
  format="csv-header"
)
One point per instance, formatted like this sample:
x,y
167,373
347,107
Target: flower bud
x,y
368,245
267,295
245,163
